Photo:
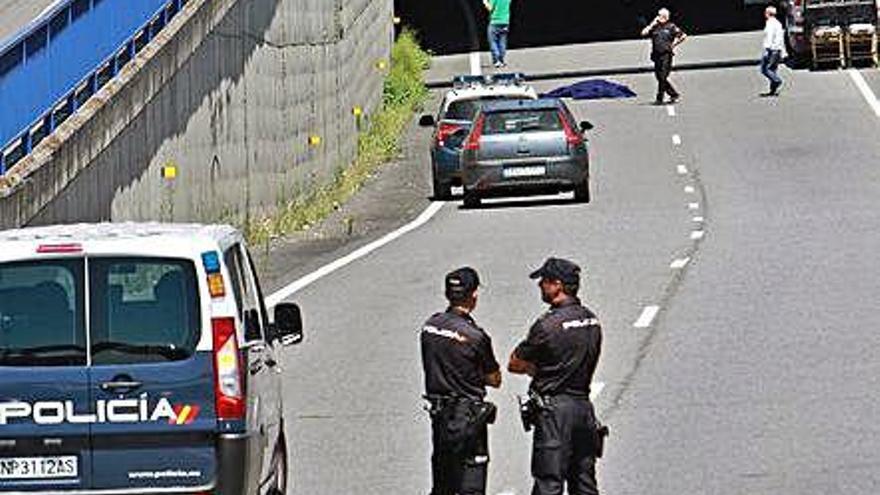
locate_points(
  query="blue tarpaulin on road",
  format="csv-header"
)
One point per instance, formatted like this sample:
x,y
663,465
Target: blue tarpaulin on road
x,y
592,89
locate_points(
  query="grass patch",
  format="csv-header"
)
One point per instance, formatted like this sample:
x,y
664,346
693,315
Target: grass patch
x,y
404,93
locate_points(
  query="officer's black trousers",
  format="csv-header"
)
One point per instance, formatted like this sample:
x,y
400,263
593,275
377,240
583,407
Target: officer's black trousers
x,y
459,467
564,448
662,69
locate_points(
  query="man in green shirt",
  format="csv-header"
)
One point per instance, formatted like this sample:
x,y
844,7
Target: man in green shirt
x,y
499,26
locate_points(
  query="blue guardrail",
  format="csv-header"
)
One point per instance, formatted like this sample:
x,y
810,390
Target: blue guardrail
x,y
59,60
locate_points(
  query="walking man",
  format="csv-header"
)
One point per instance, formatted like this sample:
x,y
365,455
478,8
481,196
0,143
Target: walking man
x,y
560,353
459,363
665,36
499,27
774,50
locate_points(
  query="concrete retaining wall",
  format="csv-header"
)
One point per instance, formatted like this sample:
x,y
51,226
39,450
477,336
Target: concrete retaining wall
x,y
228,97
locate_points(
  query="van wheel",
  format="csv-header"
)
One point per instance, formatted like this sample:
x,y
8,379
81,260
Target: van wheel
x,y
279,470
582,192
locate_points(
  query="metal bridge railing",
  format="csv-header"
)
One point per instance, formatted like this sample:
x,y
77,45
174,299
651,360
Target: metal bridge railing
x,y
38,36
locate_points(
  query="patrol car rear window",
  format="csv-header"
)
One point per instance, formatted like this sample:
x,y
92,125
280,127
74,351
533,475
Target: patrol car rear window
x,y
519,121
41,313
143,310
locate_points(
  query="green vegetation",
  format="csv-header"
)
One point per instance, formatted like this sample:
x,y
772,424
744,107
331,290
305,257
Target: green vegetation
x,y
404,93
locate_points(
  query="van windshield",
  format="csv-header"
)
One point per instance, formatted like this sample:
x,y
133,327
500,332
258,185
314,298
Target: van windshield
x,y
41,313
143,310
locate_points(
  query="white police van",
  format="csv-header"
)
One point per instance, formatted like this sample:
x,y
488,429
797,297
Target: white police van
x,y
139,358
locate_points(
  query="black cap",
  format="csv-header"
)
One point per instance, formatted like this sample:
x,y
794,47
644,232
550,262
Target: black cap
x,y
461,283
558,269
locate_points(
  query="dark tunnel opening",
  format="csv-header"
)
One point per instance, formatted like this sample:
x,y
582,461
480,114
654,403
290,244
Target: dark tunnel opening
x,y
449,26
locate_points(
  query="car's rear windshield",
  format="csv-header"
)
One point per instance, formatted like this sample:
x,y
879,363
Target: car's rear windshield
x,y
140,309
519,121
467,109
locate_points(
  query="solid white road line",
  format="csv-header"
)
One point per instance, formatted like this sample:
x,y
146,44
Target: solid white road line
x,y
676,139
329,268
595,389
679,263
475,64
682,170
670,110
647,317
869,95
693,206
697,234
689,189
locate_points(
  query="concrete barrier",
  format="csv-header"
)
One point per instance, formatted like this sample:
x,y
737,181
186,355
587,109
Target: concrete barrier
x,y
212,122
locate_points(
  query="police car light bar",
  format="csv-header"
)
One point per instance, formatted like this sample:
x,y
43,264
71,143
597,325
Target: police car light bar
x,y
507,79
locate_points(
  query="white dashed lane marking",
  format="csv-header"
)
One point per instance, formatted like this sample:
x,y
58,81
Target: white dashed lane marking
x,y
682,170
697,234
693,206
670,110
647,317
676,139
680,263
689,189
698,219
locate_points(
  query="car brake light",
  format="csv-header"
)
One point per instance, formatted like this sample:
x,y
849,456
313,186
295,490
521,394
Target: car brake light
x,y
59,248
228,390
572,137
473,139
444,131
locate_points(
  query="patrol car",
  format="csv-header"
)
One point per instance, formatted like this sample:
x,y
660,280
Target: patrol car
x,y
139,358
454,119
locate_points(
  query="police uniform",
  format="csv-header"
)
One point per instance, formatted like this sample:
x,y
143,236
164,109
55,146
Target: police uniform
x,y
663,38
457,356
564,346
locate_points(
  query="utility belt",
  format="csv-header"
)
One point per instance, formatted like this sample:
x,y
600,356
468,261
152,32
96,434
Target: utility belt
x,y
478,410
535,404
459,424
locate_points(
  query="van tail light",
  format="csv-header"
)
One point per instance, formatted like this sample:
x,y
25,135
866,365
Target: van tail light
x,y
444,131
473,139
572,137
228,386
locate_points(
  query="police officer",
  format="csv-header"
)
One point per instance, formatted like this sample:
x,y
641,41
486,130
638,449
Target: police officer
x,y
665,36
560,354
459,363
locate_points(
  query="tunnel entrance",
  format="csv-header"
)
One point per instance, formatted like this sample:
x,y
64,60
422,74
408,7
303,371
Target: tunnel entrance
x,y
455,26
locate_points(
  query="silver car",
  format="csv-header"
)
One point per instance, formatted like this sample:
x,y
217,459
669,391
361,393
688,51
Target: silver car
x,y
525,147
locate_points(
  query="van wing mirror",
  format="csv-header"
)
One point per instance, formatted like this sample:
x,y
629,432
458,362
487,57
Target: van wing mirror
x,y
586,126
288,326
427,121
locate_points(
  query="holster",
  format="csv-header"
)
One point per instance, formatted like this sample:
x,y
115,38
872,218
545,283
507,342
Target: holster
x,y
458,422
601,432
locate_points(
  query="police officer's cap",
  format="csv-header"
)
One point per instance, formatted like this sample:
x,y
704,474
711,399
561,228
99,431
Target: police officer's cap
x,y
559,269
461,283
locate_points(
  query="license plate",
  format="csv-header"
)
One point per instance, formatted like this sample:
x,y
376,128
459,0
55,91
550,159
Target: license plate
x,y
530,171
19,468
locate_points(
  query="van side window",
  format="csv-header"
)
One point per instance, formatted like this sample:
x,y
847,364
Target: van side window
x,y
233,263
143,310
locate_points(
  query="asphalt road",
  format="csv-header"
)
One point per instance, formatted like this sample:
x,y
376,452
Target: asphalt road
x,y
14,14
758,374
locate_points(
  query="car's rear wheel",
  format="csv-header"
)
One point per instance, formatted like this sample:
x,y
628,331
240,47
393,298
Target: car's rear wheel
x,y
442,190
279,469
471,199
582,192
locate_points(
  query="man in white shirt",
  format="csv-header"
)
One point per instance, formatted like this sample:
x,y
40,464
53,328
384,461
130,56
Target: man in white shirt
x,y
774,50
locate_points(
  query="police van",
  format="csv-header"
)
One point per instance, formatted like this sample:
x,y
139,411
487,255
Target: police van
x,y
139,358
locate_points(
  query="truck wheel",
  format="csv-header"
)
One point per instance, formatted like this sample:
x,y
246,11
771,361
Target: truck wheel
x,y
582,192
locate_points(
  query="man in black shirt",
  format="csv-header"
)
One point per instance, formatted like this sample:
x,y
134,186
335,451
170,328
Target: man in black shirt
x,y
665,36
560,353
459,363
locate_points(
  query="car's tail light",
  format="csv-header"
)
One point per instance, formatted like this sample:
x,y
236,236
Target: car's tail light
x,y
444,131
228,386
572,137
473,139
